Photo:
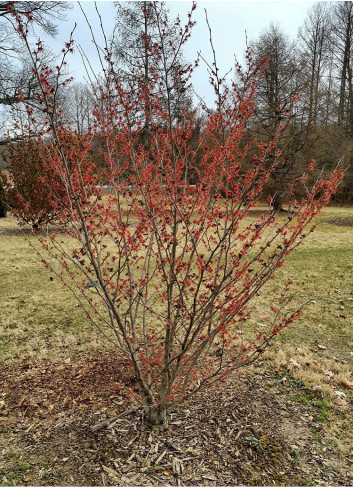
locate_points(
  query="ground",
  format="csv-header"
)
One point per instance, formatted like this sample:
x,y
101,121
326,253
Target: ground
x,y
286,421
59,426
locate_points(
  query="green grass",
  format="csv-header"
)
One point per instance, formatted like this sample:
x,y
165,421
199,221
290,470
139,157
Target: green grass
x,y
322,269
322,274
323,410
14,475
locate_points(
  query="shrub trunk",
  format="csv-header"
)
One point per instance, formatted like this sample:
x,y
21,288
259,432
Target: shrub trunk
x,y
156,417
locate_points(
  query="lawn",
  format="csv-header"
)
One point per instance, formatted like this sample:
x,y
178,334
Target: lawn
x,y
45,337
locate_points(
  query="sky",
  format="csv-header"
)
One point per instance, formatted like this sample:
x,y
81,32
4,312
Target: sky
x,y
232,22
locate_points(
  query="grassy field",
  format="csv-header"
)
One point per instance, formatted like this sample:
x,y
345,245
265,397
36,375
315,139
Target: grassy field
x,y
41,321
322,269
40,317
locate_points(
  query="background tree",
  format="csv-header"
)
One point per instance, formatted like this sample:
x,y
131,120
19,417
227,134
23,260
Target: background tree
x,y
278,89
343,45
41,13
16,76
315,38
77,105
336,129
14,72
148,49
3,200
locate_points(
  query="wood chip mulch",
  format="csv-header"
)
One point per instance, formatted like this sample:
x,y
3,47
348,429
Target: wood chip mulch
x,y
78,423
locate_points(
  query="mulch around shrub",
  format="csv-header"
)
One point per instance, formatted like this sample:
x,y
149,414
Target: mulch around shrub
x,y
78,423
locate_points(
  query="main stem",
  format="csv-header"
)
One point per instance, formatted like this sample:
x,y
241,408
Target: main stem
x,y
156,415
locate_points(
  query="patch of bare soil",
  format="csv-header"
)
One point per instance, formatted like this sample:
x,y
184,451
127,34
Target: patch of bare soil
x,y
20,232
341,221
59,426
30,232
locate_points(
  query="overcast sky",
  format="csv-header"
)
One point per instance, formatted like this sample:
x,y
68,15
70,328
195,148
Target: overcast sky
x,y
231,22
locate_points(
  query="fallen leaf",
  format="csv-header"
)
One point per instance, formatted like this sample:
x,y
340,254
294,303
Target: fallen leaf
x,y
322,347
317,388
166,472
295,363
67,360
346,383
340,394
329,373
2,404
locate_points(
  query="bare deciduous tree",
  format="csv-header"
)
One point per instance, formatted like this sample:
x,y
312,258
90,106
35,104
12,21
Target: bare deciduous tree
x,y
15,74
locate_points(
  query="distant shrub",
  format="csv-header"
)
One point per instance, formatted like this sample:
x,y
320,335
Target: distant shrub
x,y
26,191
34,192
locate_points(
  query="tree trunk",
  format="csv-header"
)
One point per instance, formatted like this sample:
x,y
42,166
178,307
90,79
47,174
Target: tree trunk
x,y
277,201
156,417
